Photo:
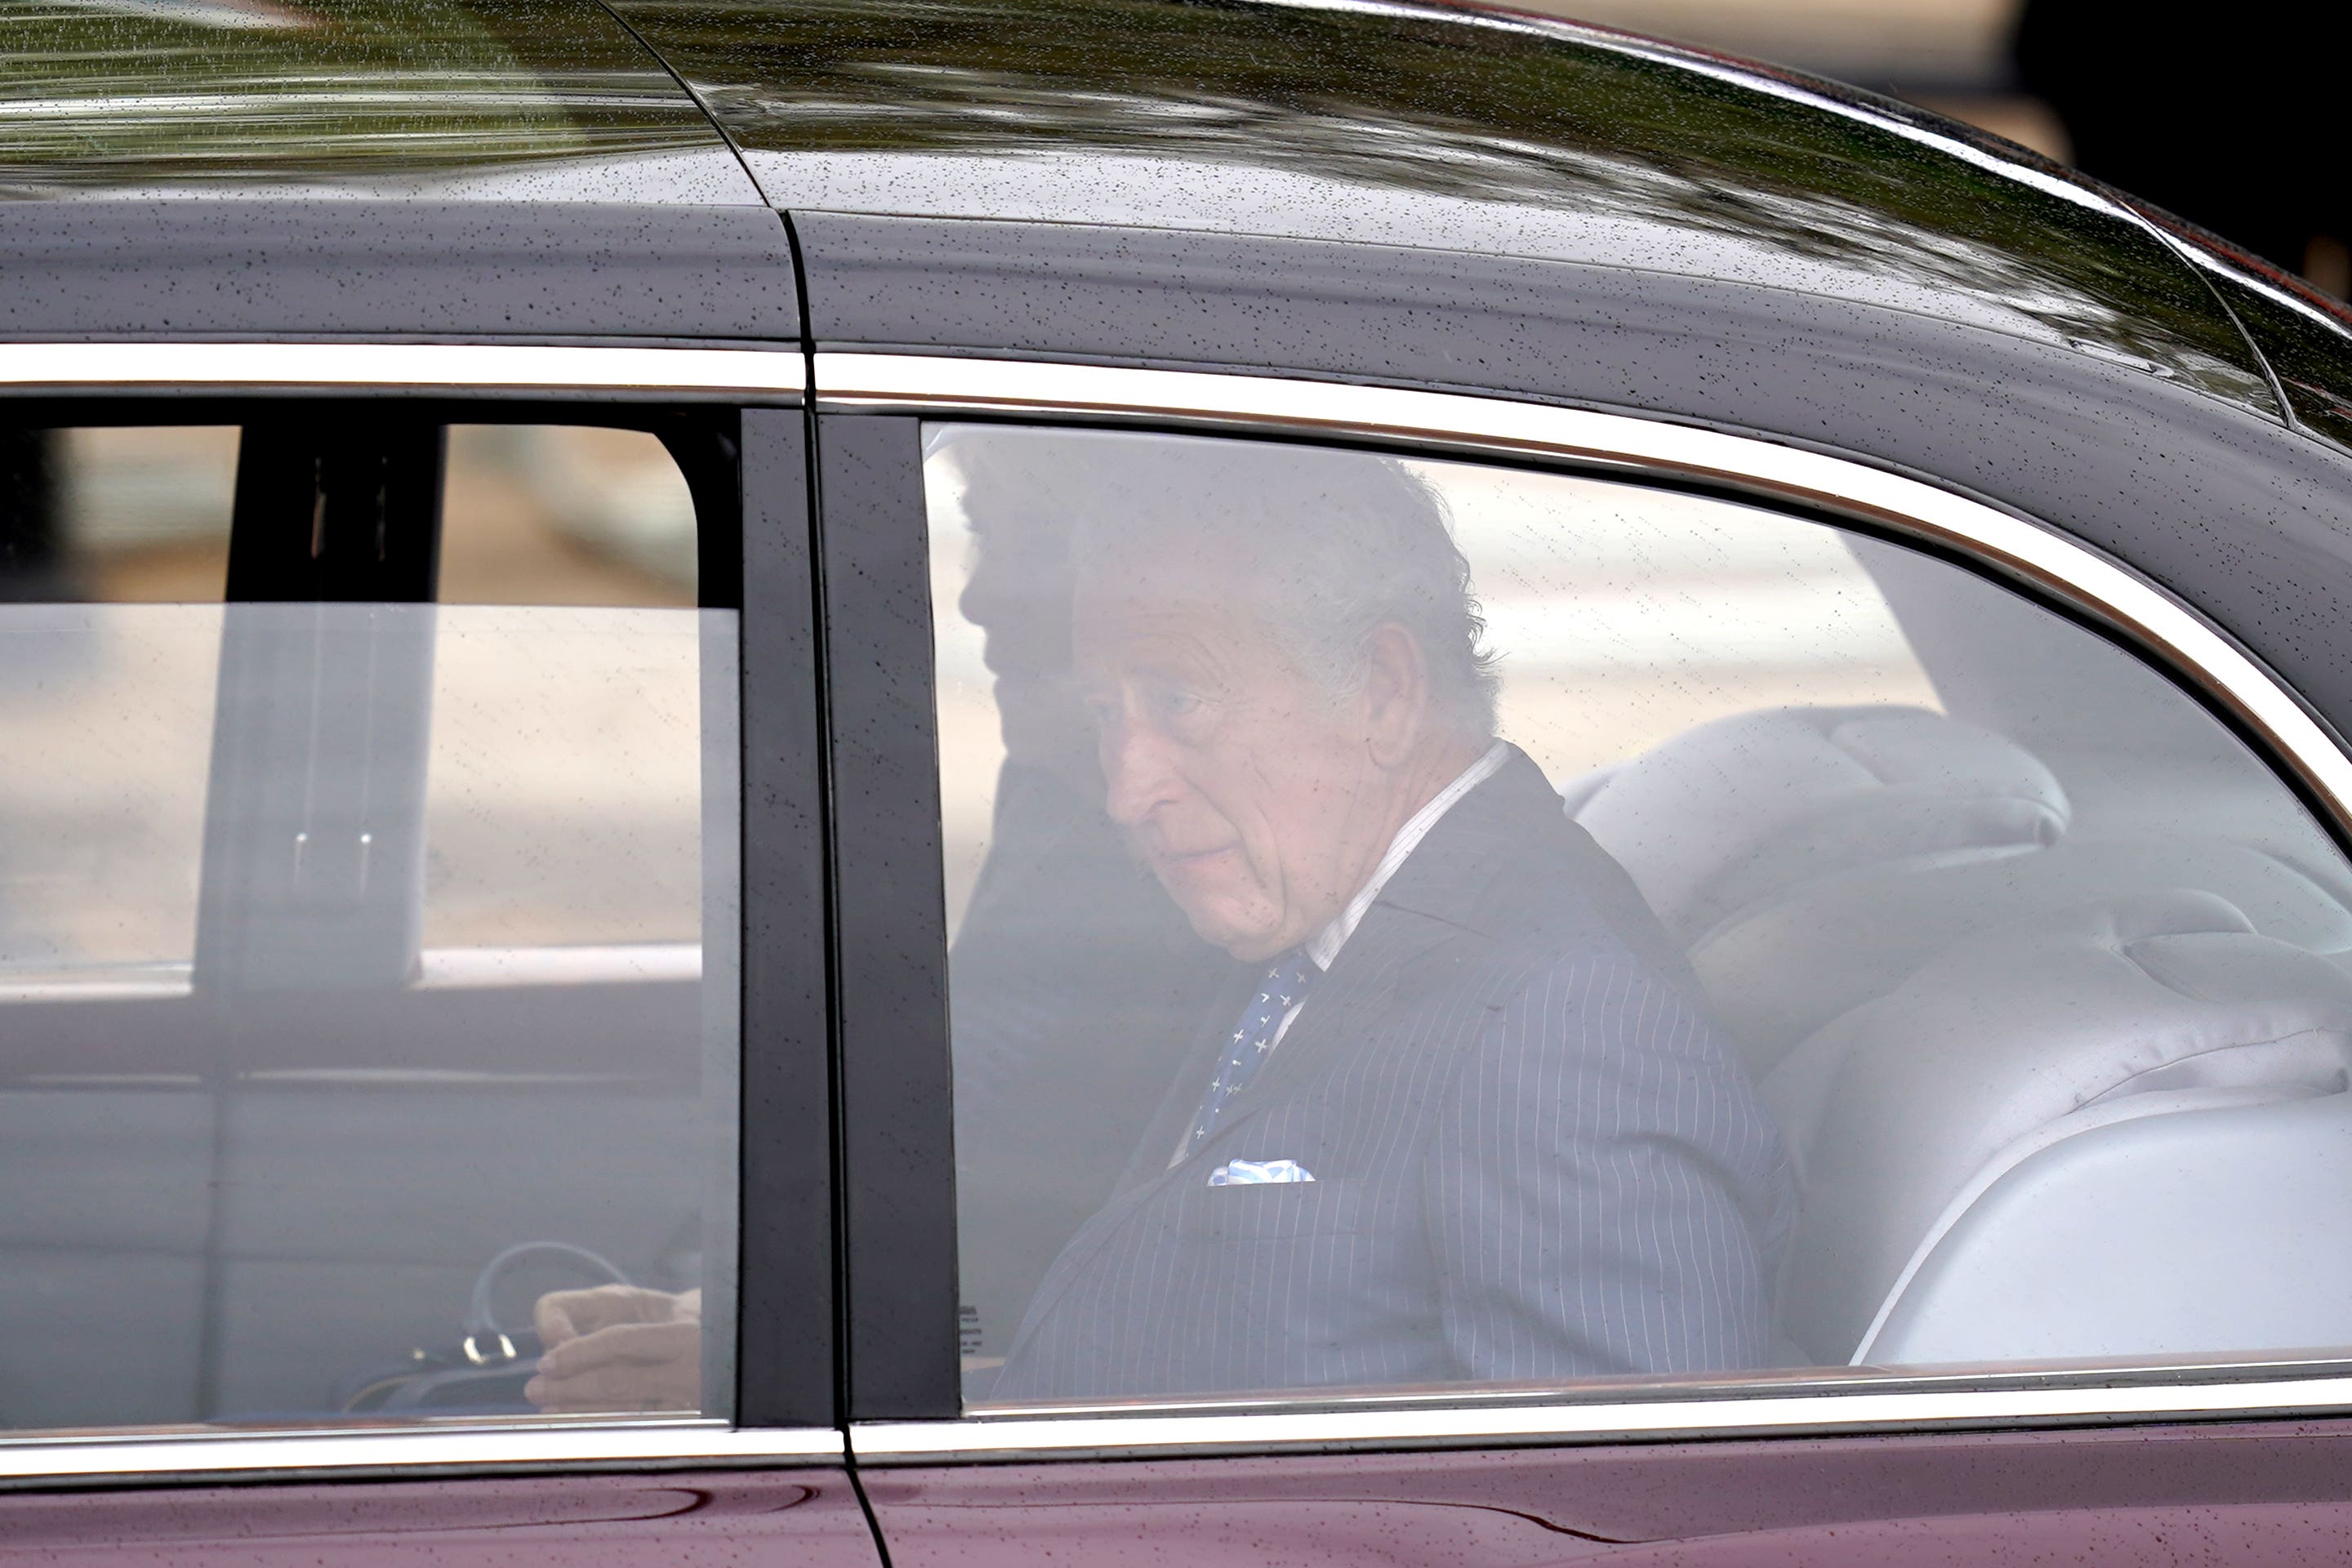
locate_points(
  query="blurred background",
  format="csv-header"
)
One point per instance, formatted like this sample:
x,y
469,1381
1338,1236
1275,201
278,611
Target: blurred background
x,y
2233,122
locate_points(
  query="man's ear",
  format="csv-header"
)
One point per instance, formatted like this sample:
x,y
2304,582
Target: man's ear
x,y
1396,694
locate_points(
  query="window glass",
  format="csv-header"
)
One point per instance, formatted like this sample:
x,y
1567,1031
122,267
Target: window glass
x,y
110,712
1420,925
602,521
556,515
369,963
562,800
116,515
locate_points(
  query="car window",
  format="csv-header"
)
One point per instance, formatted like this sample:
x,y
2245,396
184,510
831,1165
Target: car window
x,y
548,515
105,833
1423,925
565,514
368,922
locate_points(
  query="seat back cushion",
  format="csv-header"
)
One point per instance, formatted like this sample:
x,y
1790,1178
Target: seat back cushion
x,y
1904,1108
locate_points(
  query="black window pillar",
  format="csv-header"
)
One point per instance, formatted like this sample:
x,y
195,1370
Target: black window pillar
x,y
786,1348
889,923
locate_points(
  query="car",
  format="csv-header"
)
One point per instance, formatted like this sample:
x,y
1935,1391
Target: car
x,y
581,782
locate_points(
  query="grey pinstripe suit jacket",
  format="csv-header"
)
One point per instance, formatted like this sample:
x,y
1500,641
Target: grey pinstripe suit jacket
x,y
1534,1158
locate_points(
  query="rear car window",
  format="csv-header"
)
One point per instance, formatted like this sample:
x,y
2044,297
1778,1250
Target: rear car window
x,y
368,933
1424,926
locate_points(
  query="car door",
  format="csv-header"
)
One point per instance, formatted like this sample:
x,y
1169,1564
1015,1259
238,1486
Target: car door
x,y
413,911
2011,892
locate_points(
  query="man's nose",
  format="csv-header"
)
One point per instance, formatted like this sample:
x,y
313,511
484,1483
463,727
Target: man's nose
x,y
1137,777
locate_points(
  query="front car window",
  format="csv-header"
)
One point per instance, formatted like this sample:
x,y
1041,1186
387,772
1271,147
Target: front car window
x,y
1417,925
367,922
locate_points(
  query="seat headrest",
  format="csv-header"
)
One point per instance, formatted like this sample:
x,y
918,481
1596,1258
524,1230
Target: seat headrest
x,y
1735,812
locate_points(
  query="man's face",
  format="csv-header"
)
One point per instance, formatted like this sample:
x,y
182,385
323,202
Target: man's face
x,y
1251,795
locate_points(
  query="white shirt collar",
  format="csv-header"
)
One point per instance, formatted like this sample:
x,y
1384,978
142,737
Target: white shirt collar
x,y
1325,945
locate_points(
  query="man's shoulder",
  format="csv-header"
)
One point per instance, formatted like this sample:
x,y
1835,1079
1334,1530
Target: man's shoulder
x,y
1559,977
1525,884
1541,934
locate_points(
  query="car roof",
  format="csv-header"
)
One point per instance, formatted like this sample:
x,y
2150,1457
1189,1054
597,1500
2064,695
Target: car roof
x,y
1380,121
1415,124
504,100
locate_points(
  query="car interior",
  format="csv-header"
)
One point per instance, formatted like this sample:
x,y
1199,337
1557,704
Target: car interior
x,y
2047,991
2044,973
259,1180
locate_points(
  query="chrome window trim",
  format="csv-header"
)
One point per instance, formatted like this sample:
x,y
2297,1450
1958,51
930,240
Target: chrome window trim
x,y
1764,1410
1497,427
181,1456
1475,426
141,366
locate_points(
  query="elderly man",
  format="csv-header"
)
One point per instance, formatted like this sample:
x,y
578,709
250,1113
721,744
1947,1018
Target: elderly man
x,y
1467,1121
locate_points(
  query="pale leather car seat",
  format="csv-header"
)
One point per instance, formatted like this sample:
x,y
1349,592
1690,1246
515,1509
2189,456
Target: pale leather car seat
x,y
2053,1139
1810,859
1788,968
1730,813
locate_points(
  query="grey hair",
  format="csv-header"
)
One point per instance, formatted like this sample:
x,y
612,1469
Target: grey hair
x,y
1336,545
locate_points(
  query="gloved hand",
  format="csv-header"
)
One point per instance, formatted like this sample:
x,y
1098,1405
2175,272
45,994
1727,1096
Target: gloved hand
x,y
618,1347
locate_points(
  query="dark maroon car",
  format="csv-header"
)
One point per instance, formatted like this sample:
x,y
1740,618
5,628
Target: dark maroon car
x,y
1154,780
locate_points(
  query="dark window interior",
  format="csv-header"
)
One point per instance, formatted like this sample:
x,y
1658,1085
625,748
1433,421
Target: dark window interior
x,y
370,908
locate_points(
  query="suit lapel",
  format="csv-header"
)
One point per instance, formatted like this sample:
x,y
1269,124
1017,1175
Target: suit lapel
x,y
1346,1004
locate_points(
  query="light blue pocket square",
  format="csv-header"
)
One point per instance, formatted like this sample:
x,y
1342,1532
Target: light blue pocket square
x,y
1245,1173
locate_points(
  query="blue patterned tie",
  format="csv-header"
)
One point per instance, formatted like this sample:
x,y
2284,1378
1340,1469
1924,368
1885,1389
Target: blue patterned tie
x,y
1253,1037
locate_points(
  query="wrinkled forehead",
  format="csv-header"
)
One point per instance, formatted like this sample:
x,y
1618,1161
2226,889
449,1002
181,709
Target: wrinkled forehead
x,y
1184,616
1202,561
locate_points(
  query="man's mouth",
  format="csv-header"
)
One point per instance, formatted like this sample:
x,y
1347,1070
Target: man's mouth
x,y
1180,862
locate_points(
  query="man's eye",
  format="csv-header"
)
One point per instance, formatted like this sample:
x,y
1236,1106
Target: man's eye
x,y
1174,703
